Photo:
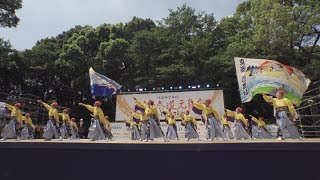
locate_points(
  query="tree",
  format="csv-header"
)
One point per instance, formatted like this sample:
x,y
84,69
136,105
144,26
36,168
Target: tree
x,y
8,17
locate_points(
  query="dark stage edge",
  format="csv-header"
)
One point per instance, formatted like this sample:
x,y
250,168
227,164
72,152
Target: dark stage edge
x,y
54,160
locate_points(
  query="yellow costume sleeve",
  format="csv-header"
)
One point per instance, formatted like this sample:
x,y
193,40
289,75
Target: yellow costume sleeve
x,y
243,119
267,98
254,119
90,108
56,115
193,120
29,121
47,106
9,107
144,105
290,107
181,116
74,124
263,124
199,106
215,113
230,113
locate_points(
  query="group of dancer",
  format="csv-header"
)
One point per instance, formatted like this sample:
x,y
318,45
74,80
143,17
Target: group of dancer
x,y
21,127
144,123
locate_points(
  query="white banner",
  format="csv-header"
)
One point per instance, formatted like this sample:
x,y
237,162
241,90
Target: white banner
x,y
256,76
174,100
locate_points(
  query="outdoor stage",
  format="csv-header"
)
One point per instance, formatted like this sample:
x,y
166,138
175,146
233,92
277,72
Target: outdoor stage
x,y
120,159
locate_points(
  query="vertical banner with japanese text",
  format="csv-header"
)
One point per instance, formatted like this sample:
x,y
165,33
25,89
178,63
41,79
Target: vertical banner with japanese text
x,y
176,101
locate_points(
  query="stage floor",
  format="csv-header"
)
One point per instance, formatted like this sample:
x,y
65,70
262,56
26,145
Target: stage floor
x,y
125,159
160,141
160,145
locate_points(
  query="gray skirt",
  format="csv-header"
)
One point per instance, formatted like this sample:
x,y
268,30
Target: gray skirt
x,y
95,131
24,133
227,132
135,134
263,134
63,131
9,130
50,131
73,134
191,133
171,133
213,129
255,131
240,132
155,130
144,130
285,123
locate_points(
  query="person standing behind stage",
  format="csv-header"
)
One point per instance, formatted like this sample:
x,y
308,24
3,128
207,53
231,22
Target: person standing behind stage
x,y
96,128
213,126
82,130
262,128
73,129
52,127
191,125
239,131
285,112
153,119
66,122
13,128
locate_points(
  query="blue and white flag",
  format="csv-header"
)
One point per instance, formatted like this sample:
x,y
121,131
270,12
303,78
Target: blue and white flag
x,y
102,85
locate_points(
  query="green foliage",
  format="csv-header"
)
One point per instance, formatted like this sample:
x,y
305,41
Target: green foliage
x,y
185,48
8,17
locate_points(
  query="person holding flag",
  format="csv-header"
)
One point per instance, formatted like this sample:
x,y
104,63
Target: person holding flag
x,y
13,128
52,127
190,125
96,128
284,113
239,131
153,119
212,117
262,128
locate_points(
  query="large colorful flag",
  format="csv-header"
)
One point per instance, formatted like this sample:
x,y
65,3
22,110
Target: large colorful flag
x,y
256,76
102,85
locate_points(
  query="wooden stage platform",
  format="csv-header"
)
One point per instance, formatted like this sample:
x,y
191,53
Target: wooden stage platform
x,y
124,159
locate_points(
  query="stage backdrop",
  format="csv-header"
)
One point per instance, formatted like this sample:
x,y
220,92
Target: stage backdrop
x,y
175,100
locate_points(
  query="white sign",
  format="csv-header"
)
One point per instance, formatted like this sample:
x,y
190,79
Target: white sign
x,y
174,100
